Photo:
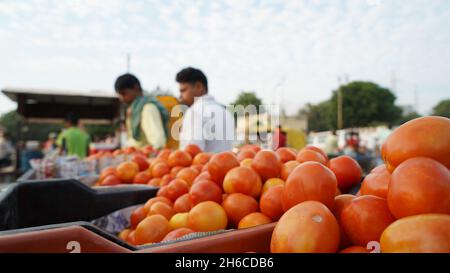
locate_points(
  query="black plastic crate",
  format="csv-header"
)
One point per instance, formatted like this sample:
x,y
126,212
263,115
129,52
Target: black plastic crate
x,y
37,203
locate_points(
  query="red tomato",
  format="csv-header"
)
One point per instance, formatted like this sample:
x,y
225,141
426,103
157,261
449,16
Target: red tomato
x,y
347,171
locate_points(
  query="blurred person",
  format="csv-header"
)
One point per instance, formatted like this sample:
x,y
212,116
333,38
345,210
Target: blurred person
x,y
206,122
279,138
50,144
331,143
31,151
6,150
146,118
73,140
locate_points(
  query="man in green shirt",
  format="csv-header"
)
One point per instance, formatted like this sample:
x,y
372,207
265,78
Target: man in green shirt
x,y
73,140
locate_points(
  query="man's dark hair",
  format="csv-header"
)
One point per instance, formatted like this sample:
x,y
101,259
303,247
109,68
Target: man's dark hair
x,y
72,118
192,75
127,81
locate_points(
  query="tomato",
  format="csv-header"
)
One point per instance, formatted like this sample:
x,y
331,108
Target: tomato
x,y
237,206
156,182
365,218
188,175
178,220
175,170
164,154
309,181
141,161
376,183
286,154
246,163
207,216
160,169
142,178
378,169
270,202
419,185
420,137
166,179
355,249
153,200
161,208
124,234
151,230
425,233
318,150
307,227
110,180
177,233
253,147
126,171
202,176
220,164
267,164
177,188
193,149
202,158
307,155
163,192
287,168
244,180
340,202
205,190
137,216
183,203
347,171
131,238
245,154
254,219
179,158
270,183
197,167
107,172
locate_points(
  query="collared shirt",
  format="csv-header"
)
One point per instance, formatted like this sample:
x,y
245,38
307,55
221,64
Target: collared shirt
x,y
209,125
152,130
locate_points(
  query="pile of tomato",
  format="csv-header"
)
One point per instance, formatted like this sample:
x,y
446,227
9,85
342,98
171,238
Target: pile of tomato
x,y
403,205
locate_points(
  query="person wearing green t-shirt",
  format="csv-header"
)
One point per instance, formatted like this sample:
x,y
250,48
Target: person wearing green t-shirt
x,y
73,140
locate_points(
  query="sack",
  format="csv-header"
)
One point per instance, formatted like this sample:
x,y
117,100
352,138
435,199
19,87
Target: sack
x,y
169,102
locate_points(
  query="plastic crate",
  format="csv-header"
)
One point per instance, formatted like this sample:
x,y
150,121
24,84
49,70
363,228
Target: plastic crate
x,y
37,203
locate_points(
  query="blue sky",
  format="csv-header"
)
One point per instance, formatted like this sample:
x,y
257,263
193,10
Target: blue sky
x,y
289,52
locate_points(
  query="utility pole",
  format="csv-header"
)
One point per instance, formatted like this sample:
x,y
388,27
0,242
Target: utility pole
x,y
128,62
340,117
416,99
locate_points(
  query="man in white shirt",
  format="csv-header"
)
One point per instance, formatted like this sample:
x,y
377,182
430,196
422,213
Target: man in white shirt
x,y
206,123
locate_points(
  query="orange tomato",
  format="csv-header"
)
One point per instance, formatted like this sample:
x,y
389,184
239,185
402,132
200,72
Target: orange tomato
x,y
197,167
161,208
137,216
131,238
183,203
270,183
178,220
287,168
245,154
238,205
202,158
177,233
177,188
160,169
205,190
141,161
419,185
151,230
347,171
153,200
365,218
124,234
156,182
179,158
164,154
286,154
188,175
142,178
193,149
244,180
307,155
425,233
246,163
110,180
207,216
175,170
304,228
107,172
267,164
254,219
126,171
202,176
318,150
270,202
376,183
220,164
166,179
420,137
340,202
253,147
309,181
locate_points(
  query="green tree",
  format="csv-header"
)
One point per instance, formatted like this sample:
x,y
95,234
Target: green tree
x,y
248,98
365,104
318,116
442,109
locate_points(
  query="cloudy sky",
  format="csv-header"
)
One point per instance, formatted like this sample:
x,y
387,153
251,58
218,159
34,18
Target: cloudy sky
x,y
289,52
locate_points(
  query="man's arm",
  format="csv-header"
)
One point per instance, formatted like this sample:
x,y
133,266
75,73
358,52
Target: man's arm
x,y
152,126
